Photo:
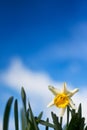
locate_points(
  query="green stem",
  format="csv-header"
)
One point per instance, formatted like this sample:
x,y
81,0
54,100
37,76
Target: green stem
x,y
67,115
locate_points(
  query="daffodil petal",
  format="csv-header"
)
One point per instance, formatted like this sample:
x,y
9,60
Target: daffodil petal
x,y
72,105
74,91
64,90
53,90
62,111
51,103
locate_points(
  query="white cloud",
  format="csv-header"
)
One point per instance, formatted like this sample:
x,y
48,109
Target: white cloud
x,y
36,86
18,75
34,83
0,124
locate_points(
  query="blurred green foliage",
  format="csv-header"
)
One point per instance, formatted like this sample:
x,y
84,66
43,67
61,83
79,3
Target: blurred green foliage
x,y
31,122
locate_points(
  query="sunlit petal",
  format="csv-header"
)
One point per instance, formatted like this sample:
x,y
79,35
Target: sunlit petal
x,y
74,91
51,103
64,90
53,90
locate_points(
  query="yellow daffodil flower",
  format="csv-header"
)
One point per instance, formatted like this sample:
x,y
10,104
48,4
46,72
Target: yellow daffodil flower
x,y
62,98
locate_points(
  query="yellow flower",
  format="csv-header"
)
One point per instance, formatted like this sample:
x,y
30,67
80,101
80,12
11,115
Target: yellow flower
x,y
62,99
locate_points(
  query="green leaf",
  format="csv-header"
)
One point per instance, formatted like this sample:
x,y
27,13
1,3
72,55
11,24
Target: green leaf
x,y
73,112
7,113
23,119
16,115
67,115
23,95
47,126
80,111
61,120
46,123
40,116
56,122
27,115
86,128
73,125
34,126
76,123
82,124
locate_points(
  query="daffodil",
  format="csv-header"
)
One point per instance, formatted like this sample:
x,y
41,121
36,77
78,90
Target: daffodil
x,y
62,98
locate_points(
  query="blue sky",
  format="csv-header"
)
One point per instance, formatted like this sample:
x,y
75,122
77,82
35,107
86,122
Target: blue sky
x,y
42,43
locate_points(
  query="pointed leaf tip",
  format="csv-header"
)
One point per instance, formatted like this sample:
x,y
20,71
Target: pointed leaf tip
x,y
7,113
23,95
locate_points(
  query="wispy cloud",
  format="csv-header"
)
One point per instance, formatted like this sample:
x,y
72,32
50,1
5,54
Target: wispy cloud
x,y
17,75
36,86
0,124
35,83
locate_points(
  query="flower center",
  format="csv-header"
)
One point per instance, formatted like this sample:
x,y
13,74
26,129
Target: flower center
x,y
61,100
